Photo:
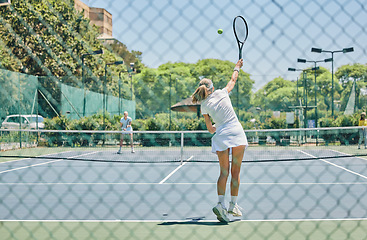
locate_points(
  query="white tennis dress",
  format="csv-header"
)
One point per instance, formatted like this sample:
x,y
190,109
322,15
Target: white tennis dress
x,y
229,132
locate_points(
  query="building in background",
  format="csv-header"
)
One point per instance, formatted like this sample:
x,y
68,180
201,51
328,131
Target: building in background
x,y
98,16
82,7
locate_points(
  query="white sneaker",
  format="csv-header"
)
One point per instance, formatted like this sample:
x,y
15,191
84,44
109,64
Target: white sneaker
x,y
221,213
132,151
234,209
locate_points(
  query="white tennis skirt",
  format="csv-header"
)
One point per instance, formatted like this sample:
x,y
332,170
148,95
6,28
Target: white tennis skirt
x,y
227,136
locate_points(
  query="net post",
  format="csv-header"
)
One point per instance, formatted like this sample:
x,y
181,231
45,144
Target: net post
x,y
182,145
19,110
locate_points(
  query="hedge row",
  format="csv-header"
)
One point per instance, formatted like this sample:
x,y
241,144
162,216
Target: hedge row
x,y
96,122
162,122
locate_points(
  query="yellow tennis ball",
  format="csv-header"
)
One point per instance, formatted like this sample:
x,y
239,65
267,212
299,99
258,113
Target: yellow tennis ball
x,y
220,31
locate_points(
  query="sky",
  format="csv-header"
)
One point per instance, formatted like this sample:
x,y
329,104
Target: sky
x,y
280,31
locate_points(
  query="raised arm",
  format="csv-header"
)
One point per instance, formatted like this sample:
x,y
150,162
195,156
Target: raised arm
x,y
232,82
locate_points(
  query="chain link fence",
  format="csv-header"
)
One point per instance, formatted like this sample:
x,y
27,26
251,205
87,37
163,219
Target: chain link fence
x,y
81,64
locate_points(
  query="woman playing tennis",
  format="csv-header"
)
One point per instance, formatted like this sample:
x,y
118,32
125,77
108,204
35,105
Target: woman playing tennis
x,y
229,138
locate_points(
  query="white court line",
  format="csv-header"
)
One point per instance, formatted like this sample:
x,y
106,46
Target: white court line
x,y
169,175
214,183
335,165
167,220
34,165
350,155
31,158
39,164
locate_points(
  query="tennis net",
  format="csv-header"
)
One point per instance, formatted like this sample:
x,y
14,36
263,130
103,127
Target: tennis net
x,y
178,146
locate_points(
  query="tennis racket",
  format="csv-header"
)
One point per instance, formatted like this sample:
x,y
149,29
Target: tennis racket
x,y
240,30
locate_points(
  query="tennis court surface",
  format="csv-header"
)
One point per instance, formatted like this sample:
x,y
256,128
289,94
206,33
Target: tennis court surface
x,y
298,191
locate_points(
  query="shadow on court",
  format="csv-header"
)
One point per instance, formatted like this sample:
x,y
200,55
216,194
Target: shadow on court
x,y
197,221
202,223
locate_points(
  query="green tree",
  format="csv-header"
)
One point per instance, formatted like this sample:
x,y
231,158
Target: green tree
x,y
48,38
276,95
121,50
348,74
153,87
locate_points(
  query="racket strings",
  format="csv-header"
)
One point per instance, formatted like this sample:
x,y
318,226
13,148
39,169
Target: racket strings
x,y
241,30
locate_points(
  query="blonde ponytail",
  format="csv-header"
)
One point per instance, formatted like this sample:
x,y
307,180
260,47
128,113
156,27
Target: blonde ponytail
x,y
200,94
203,91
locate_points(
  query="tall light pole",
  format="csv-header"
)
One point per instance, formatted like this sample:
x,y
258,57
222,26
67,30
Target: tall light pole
x,y
131,79
304,72
169,104
344,50
129,71
120,92
100,51
104,89
301,60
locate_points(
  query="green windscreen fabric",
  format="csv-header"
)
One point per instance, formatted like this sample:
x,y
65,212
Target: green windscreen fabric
x,y
72,103
17,93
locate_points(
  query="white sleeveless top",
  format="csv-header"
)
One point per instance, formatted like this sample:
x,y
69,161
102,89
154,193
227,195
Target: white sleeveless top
x,y
229,132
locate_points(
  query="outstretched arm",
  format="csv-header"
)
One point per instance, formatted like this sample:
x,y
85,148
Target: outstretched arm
x,y
234,77
209,124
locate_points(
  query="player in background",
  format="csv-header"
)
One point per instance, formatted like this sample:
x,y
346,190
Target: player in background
x,y
126,128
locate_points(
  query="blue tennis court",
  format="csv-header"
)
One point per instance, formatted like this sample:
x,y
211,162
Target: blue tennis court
x,y
58,187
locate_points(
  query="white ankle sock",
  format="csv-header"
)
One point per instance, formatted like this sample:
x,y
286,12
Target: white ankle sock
x,y
221,200
234,199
